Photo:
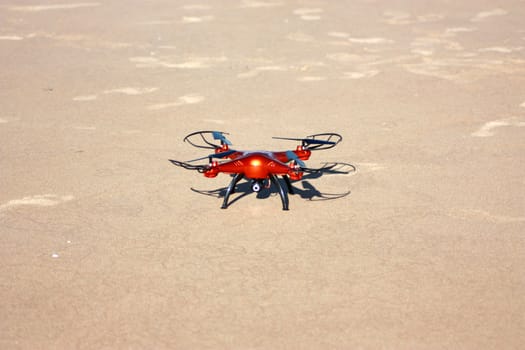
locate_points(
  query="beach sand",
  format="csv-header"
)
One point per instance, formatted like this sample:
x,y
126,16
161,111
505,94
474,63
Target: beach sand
x,y
103,244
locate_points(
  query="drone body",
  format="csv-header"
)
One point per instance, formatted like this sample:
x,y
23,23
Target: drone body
x,y
261,167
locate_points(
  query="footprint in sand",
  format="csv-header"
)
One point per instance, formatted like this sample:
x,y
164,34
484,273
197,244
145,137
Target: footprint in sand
x,y
145,61
39,8
197,7
84,98
131,131
487,129
426,46
308,14
131,90
85,128
430,17
45,200
124,91
463,67
214,121
340,39
481,16
260,4
344,57
360,74
300,37
373,40
403,18
155,22
167,47
341,35
78,41
195,19
311,78
501,49
397,17
182,100
188,65
370,167
256,71
452,32
195,63
11,37
423,52
468,213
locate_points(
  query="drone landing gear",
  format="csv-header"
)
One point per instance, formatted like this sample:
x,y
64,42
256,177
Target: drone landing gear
x,y
257,186
288,184
231,189
282,191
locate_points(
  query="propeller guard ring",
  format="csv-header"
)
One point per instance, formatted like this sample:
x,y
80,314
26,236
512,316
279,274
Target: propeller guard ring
x,y
205,140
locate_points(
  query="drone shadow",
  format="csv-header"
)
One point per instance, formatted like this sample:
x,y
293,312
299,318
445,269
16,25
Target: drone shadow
x,y
308,191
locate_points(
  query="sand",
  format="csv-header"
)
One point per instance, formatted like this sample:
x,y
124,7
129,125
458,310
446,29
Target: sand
x,y
103,244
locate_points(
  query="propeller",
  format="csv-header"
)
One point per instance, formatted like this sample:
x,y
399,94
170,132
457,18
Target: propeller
x,y
332,168
185,165
317,141
214,155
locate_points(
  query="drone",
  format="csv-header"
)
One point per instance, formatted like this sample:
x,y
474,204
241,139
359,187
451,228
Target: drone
x,y
262,168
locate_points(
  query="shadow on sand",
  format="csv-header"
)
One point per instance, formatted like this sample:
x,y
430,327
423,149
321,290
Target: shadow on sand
x,y
308,191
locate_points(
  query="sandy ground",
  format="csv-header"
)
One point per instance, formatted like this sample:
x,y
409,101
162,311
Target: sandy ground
x,y
104,246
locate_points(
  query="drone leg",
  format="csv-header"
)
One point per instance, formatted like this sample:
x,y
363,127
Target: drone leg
x,y
231,189
282,192
288,184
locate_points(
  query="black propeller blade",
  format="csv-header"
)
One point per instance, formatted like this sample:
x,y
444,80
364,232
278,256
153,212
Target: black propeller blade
x,y
185,165
317,141
214,155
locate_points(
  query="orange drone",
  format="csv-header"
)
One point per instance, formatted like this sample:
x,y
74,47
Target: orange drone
x,y
262,168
